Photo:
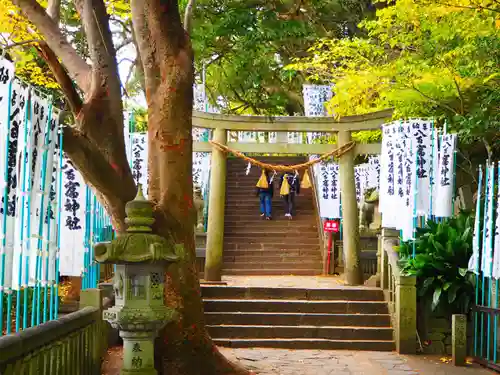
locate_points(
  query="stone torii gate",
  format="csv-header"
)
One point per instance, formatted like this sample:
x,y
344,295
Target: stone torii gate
x,y
221,124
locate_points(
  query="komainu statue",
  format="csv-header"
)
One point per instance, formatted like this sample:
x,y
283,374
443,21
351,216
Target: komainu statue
x,y
199,205
369,216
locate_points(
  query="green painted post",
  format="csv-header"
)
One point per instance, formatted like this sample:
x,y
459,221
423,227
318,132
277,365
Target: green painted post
x,y
216,204
353,272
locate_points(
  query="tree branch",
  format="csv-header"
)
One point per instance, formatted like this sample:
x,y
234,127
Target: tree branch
x,y
102,51
98,172
54,10
476,7
62,77
188,16
31,41
140,68
146,55
77,68
460,96
445,106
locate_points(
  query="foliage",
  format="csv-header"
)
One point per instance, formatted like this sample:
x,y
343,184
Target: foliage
x,y
245,44
15,29
139,119
30,292
440,265
422,58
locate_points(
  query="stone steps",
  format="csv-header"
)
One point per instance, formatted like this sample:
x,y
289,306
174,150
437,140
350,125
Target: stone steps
x,y
299,294
302,331
298,319
281,306
353,318
300,343
277,247
263,259
273,265
291,271
263,254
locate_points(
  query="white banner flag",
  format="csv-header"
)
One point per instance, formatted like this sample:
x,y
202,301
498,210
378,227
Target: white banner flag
x,y
16,125
421,133
139,160
446,176
476,241
327,177
487,255
496,251
72,221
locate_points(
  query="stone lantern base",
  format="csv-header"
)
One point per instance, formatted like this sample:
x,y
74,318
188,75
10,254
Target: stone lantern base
x,y
138,353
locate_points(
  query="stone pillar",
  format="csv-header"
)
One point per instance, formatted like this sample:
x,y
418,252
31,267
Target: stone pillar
x,y
138,353
92,298
352,267
282,137
459,339
406,315
216,204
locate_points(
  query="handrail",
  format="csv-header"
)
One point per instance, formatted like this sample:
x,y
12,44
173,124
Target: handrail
x,y
74,343
393,257
399,292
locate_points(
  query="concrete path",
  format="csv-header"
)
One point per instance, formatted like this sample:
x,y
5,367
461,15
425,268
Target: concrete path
x,y
322,362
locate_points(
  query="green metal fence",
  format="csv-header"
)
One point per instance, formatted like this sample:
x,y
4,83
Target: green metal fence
x,y
484,263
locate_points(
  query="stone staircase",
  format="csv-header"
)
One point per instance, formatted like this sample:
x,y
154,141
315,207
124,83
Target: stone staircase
x,y
253,246
354,318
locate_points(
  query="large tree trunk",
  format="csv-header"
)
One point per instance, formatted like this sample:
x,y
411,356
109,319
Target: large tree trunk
x,y
185,346
96,146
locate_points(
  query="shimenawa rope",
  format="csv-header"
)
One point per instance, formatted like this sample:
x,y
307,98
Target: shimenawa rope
x,y
286,168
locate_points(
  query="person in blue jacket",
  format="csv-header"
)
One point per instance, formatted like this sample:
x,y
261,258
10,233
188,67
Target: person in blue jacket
x,y
294,189
266,196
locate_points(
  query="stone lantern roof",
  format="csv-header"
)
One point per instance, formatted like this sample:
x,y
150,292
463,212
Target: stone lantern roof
x,y
139,244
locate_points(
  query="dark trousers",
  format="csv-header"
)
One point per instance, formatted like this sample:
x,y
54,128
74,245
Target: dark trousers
x,y
289,203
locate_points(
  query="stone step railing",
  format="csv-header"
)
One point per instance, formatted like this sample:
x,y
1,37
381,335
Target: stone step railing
x,y
73,344
400,293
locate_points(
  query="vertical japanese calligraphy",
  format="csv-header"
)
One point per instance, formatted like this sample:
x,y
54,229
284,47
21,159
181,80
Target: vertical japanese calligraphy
x,y
315,98
10,197
415,173
139,160
72,221
328,184
421,135
445,177
488,228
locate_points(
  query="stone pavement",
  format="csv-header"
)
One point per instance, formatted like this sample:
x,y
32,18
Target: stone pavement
x,y
322,362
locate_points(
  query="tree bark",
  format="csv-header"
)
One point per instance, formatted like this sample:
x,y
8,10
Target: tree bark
x,y
96,146
167,61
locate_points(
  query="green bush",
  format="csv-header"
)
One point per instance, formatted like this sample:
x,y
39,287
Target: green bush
x,y
442,254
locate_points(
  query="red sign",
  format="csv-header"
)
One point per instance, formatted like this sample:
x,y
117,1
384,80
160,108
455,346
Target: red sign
x,y
331,226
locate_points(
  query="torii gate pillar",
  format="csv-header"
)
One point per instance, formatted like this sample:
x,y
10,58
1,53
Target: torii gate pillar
x,y
217,202
350,231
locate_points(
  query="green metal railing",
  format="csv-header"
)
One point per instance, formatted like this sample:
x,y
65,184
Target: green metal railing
x,y
71,345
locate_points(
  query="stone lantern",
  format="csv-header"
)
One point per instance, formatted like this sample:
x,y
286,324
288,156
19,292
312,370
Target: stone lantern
x,y
141,258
